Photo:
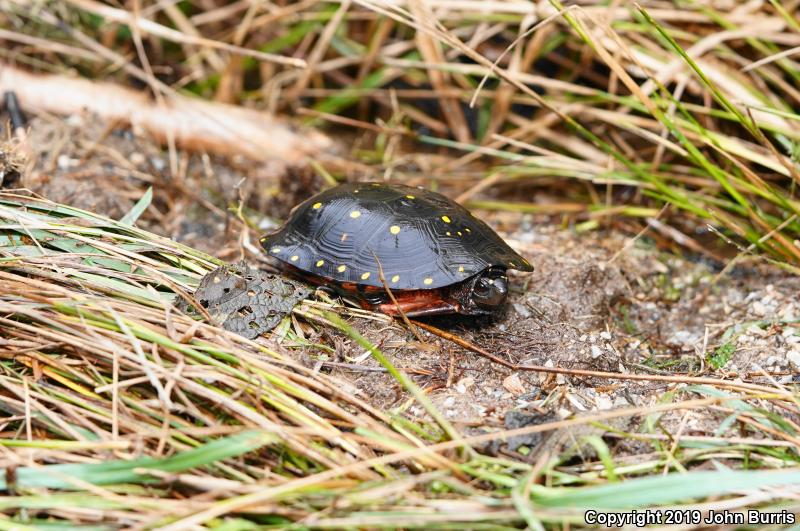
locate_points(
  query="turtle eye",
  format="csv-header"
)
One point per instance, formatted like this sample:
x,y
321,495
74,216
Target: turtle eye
x,y
490,291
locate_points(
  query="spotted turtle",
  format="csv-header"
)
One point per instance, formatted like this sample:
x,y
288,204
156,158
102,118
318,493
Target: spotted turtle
x,y
434,255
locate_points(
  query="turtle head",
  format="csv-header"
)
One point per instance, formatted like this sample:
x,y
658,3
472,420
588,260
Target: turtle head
x,y
485,292
490,289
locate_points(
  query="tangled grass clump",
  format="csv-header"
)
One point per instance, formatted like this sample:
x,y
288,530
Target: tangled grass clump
x,y
122,412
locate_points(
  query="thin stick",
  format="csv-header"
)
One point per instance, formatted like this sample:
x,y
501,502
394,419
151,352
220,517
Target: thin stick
x,y
396,304
15,114
598,374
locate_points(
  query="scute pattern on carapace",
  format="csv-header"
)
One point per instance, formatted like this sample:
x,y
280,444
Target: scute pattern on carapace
x,y
421,239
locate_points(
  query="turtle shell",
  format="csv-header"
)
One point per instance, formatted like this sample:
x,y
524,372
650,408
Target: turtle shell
x,y
421,239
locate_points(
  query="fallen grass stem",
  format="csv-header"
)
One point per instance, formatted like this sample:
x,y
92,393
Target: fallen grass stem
x,y
717,382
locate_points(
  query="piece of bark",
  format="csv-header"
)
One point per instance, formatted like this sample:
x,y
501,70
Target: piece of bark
x,y
194,124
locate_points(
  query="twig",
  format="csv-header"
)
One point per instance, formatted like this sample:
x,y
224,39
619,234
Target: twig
x,y
600,374
394,301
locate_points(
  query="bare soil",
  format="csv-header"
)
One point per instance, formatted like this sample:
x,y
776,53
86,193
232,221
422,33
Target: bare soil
x,y
645,311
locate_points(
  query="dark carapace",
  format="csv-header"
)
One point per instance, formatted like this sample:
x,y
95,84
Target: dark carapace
x,y
434,255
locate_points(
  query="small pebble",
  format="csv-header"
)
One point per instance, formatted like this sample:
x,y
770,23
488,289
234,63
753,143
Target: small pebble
x,y
514,385
464,384
75,120
522,310
64,162
603,402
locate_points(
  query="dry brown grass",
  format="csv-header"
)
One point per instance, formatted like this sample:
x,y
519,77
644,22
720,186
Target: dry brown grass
x,y
123,413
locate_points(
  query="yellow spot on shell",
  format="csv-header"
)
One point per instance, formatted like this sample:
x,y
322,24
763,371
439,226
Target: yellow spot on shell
x,y
316,205
354,214
320,263
512,264
448,233
395,278
428,281
468,231
294,258
394,229
365,276
411,197
344,237
275,250
460,269
459,233
445,219
341,268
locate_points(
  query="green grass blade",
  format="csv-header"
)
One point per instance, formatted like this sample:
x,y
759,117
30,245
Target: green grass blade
x,y
662,490
139,208
120,471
